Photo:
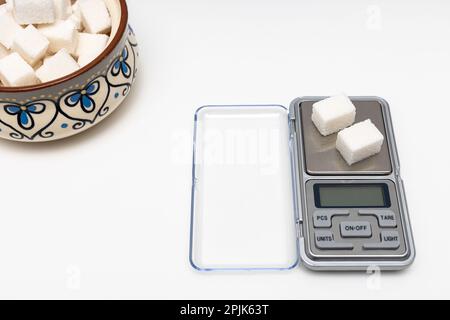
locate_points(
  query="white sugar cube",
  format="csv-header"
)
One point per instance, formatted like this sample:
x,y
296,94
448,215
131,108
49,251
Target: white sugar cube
x,y
8,29
359,142
76,16
63,9
30,44
76,21
90,46
57,66
15,71
34,11
333,114
3,51
62,35
7,7
76,9
95,16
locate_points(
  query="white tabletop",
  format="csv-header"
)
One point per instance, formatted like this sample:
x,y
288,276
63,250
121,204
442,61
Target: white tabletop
x,y
106,214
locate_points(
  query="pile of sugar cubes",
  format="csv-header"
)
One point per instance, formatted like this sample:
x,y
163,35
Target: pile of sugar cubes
x,y
43,40
355,142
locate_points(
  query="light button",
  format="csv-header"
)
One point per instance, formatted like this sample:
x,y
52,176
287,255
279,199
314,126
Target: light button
x,y
390,240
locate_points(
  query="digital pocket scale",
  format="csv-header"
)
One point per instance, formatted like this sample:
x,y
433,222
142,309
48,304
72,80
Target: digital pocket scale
x,y
270,193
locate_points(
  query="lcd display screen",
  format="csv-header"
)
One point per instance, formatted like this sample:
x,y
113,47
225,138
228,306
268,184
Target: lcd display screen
x,y
352,196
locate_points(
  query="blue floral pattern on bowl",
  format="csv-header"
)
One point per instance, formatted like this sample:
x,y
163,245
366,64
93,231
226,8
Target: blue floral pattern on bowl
x,y
121,65
25,113
84,97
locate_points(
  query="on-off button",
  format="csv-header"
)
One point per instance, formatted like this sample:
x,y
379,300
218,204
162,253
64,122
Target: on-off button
x,y
356,229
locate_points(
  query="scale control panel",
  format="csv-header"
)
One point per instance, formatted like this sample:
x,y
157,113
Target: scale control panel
x,y
354,218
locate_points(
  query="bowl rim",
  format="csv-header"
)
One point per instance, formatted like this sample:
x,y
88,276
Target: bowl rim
x,y
109,49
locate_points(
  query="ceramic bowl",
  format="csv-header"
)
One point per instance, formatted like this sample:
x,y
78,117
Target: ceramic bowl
x,y
77,102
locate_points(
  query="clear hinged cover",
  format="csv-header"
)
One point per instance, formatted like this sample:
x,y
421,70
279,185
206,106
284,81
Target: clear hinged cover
x,y
242,199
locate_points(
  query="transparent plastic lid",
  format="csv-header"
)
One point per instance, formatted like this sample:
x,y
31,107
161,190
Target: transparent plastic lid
x,y
242,198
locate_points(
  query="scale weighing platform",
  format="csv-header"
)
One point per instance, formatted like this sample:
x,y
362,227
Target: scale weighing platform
x,y
269,192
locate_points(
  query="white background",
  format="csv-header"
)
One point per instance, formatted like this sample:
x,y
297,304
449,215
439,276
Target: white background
x,y
106,214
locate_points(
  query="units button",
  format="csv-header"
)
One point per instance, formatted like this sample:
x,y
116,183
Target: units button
x,y
323,218
325,240
356,229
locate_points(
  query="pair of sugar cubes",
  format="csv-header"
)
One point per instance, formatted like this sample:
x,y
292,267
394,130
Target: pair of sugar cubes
x,y
355,142
46,48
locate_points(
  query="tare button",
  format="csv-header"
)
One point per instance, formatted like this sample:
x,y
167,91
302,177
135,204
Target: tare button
x,y
386,218
356,229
